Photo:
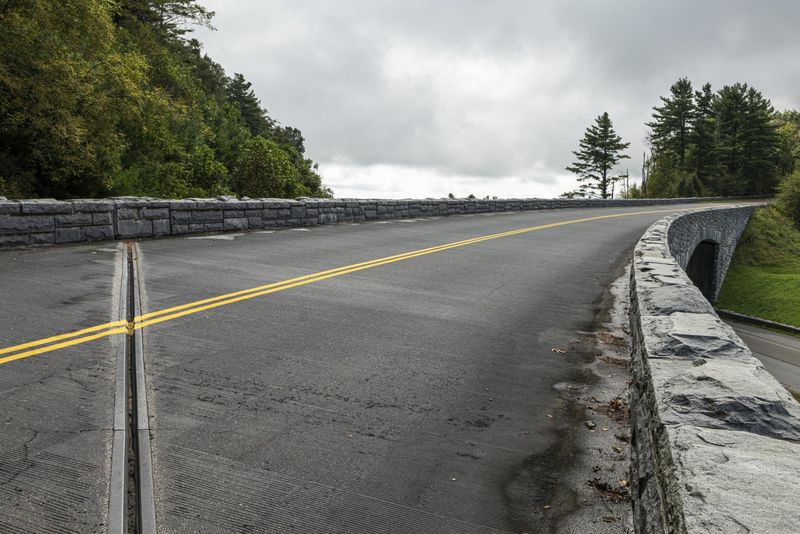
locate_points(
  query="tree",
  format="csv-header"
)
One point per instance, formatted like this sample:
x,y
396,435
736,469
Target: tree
x,y
671,127
263,169
704,136
254,117
748,141
599,152
788,198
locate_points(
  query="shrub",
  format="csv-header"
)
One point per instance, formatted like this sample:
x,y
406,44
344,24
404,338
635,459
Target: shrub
x,y
788,198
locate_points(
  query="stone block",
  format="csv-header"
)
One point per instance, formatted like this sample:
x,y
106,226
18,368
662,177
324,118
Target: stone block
x,y
161,227
25,224
180,215
103,217
73,219
68,235
128,214
103,232
207,216
45,205
236,223
139,228
10,208
155,213
13,240
46,238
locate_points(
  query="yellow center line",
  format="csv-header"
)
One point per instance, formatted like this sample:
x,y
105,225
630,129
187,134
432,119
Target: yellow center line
x,y
85,335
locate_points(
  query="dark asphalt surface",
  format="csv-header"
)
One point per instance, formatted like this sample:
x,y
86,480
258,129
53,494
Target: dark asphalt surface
x,y
780,353
56,410
412,397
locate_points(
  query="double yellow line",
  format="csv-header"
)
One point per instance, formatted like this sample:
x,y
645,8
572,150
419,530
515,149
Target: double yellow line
x,y
49,344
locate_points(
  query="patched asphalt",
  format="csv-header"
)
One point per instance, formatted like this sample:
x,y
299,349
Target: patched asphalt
x,y
408,397
56,410
411,397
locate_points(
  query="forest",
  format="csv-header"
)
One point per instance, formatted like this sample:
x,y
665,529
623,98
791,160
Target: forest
x,y
113,97
730,142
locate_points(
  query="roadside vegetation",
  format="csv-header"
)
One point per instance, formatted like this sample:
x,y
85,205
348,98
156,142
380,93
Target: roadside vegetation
x,y
729,142
102,97
764,277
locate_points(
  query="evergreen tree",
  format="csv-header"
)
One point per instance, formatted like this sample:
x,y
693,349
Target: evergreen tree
x,y
672,123
254,116
599,152
704,136
748,141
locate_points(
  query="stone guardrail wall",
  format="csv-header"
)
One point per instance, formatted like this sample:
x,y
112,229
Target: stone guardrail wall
x,y
715,438
42,222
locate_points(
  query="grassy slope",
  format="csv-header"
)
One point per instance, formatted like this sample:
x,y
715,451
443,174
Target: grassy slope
x,y
764,277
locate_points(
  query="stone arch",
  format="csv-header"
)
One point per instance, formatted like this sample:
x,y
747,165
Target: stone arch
x,y
703,266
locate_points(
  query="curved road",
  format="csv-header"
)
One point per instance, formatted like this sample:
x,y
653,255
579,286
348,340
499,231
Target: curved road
x,y
408,395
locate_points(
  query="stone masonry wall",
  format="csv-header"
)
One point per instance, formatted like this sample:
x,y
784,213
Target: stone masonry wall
x,y
41,222
715,438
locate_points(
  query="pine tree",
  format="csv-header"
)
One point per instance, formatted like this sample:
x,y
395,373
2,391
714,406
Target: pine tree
x,y
672,124
703,136
253,115
748,141
599,152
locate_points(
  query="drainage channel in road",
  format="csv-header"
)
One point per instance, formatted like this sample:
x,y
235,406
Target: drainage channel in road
x,y
132,507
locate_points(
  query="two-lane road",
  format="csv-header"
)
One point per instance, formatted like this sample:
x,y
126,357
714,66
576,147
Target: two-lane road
x,y
385,377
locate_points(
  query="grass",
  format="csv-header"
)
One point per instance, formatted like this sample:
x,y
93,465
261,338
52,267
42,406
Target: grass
x,y
764,277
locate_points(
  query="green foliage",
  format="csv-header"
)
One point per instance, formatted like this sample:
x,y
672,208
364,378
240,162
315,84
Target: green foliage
x,y
672,122
726,143
788,198
765,272
102,97
263,169
599,151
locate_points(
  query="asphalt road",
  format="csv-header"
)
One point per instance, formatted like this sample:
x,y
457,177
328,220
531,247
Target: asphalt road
x,y
780,353
56,411
409,396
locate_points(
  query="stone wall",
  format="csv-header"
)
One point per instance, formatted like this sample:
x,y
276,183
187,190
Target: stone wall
x,y
715,438
39,222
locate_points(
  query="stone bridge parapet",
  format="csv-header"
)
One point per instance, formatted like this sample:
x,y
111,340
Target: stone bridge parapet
x,y
47,221
715,437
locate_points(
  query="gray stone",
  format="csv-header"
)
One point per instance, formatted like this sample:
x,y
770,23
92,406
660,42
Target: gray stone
x,y
45,205
23,224
711,429
155,213
207,216
46,238
140,228
127,214
73,219
104,217
68,235
10,208
98,233
13,240
161,227
236,223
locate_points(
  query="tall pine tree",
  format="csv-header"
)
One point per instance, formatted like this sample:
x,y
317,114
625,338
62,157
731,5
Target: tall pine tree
x,y
599,152
704,136
672,123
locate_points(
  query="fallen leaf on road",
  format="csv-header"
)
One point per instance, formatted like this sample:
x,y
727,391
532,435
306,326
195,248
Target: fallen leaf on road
x,y
557,350
591,424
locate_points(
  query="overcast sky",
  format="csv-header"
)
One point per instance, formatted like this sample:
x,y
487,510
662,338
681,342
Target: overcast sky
x,y
421,98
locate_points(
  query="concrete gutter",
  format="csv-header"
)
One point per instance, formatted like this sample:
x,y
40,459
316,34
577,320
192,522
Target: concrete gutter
x,y
715,437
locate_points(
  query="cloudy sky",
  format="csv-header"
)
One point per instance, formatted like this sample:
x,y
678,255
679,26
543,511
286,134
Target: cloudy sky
x,y
421,98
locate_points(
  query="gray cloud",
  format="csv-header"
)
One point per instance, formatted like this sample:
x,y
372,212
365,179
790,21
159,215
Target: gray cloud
x,y
489,97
